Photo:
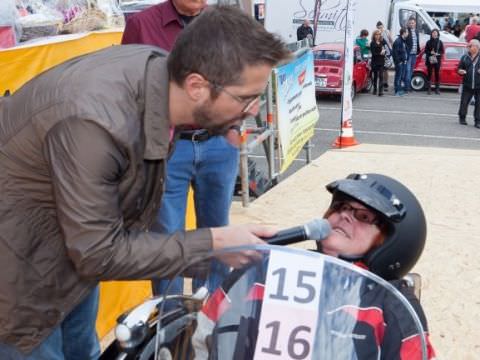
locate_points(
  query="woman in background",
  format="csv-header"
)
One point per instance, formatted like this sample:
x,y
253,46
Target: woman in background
x,y
433,57
378,61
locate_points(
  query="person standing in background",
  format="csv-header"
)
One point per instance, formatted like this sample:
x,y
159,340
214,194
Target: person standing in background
x,y
207,163
362,42
469,68
433,57
472,30
413,48
400,57
378,61
457,29
304,30
388,41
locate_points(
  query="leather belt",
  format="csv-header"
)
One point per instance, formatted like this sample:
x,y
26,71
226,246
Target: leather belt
x,y
195,135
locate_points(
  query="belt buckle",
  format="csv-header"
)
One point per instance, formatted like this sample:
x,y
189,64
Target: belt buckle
x,y
200,136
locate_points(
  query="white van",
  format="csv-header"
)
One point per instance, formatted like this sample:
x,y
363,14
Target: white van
x,y
285,16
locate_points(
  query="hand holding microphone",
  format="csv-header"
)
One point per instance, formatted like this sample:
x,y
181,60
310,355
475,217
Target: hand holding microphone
x,y
238,235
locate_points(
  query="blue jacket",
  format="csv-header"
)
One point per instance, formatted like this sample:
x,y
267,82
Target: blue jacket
x,y
399,51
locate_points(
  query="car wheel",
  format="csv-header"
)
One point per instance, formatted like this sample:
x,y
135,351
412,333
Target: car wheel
x,y
418,82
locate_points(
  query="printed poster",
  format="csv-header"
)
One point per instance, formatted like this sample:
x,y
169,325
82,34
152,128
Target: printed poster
x,y
297,111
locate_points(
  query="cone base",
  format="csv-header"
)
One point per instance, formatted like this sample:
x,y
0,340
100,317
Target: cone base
x,y
344,142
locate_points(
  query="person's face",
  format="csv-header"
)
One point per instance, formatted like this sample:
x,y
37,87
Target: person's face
x,y
472,49
412,24
353,233
234,103
380,27
306,23
434,34
189,7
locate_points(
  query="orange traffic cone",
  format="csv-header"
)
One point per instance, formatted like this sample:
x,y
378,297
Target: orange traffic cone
x,y
346,137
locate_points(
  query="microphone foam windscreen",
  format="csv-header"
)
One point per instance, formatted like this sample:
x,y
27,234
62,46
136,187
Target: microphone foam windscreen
x,y
318,229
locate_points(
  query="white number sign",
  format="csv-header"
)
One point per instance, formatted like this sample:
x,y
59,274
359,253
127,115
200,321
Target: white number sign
x,y
288,320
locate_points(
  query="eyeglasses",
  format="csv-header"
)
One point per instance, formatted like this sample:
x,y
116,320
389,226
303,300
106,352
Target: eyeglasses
x,y
247,101
360,214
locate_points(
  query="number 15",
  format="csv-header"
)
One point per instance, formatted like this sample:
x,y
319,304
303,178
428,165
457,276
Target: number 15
x,y
301,284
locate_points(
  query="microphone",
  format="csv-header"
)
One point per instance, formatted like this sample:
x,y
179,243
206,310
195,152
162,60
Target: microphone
x,y
317,229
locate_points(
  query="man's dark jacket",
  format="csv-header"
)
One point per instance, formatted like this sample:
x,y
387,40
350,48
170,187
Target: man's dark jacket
x,y
82,155
399,51
409,41
303,32
471,79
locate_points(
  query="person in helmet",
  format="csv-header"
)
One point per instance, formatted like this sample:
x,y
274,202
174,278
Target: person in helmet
x,y
378,224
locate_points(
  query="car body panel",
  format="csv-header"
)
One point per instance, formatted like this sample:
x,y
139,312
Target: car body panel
x,y
329,62
448,69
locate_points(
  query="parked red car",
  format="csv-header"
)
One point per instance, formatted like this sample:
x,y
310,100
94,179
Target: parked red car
x,y
448,69
329,62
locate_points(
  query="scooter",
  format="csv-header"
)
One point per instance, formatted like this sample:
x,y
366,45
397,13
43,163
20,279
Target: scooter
x,y
288,303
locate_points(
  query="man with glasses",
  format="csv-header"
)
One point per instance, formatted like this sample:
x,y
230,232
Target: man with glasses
x,y
248,101
469,68
202,160
82,166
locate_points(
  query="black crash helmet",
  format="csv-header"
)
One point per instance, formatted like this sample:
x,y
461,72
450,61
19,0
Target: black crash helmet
x,y
400,209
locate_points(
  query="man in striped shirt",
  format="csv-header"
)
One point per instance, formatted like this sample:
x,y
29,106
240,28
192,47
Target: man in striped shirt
x,y
413,48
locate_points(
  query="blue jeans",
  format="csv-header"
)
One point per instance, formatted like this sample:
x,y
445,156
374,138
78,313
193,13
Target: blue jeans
x,y
211,168
74,339
400,72
412,60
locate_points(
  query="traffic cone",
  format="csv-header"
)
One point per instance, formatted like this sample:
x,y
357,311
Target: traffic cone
x,y
346,137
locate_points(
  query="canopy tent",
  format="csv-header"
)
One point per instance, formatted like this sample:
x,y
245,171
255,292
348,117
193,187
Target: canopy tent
x,y
448,6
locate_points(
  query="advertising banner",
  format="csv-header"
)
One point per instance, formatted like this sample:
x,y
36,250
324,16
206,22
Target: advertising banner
x,y
297,111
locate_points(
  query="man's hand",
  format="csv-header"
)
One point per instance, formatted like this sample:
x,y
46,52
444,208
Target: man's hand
x,y
238,235
233,136
462,72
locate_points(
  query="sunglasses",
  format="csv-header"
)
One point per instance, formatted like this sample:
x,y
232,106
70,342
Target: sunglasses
x,y
360,214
